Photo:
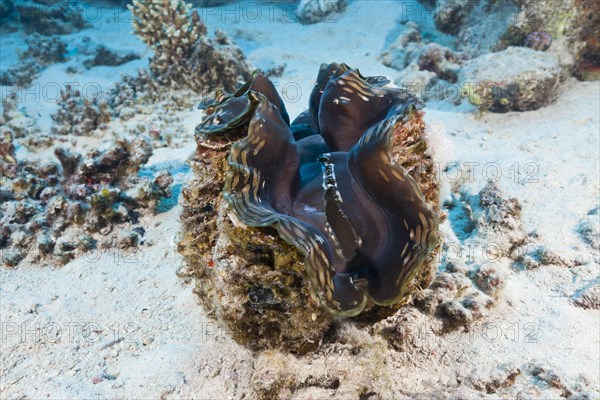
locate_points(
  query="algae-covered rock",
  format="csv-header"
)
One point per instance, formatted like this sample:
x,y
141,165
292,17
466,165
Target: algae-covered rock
x,y
569,29
573,26
587,51
516,79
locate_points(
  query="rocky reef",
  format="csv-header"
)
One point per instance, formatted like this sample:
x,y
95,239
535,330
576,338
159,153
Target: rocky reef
x,y
571,27
254,261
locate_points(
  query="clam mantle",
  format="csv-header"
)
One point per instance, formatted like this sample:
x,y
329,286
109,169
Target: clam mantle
x,y
329,184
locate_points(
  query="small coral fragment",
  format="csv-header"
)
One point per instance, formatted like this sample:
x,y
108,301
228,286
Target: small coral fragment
x,y
588,297
78,115
313,11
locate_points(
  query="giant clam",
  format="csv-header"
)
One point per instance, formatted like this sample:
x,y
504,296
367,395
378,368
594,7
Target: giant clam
x,y
328,183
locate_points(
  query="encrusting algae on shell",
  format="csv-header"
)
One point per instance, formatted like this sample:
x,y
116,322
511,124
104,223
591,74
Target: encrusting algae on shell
x,y
311,220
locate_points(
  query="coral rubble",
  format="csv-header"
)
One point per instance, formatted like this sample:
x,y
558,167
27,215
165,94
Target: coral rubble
x,y
8,159
79,115
425,66
45,50
344,371
456,298
405,49
491,215
20,75
15,121
589,229
41,201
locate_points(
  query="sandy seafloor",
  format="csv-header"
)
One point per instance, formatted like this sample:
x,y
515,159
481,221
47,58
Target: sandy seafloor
x,y
114,325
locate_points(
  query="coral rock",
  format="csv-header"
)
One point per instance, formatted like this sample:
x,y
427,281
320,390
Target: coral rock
x,y
439,59
405,49
516,79
588,297
313,11
183,54
78,115
450,15
105,56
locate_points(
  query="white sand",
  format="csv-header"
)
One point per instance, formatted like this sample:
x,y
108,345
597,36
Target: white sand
x,y
118,325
